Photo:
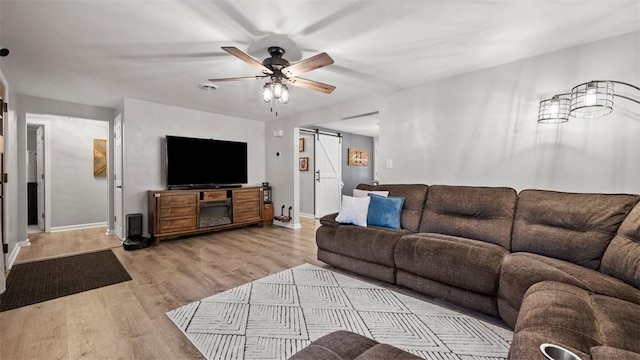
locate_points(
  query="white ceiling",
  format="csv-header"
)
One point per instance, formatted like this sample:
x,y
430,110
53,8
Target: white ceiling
x,y
97,52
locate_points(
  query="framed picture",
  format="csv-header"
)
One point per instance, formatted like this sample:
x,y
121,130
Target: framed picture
x,y
304,164
100,157
301,145
358,157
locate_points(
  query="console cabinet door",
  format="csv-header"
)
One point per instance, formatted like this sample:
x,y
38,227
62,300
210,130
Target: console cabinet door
x,y
177,212
247,205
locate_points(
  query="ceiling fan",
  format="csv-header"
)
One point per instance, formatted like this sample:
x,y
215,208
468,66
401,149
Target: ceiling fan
x,y
279,71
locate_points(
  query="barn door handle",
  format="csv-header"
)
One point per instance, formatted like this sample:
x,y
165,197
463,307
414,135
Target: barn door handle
x,y
318,176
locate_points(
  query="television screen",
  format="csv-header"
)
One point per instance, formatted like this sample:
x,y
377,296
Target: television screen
x,y
194,162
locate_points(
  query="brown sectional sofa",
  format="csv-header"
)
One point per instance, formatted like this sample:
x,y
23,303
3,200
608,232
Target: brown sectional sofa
x,y
560,268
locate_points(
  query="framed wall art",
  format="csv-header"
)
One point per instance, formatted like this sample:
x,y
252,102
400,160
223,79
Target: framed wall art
x,y
99,157
304,164
358,157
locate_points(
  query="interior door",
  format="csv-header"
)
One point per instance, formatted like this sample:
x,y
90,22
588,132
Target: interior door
x,y
40,175
328,173
117,183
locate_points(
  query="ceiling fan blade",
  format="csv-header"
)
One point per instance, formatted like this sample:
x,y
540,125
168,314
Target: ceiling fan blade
x,y
239,78
311,85
312,63
246,58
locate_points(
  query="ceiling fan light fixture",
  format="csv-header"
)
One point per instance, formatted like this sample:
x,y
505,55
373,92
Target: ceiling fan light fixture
x,y
280,71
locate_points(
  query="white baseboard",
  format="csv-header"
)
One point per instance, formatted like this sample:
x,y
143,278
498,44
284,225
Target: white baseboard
x,y
14,254
77,227
110,232
310,216
287,224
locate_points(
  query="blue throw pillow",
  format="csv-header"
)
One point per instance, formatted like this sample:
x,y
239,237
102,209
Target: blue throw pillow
x,y
385,211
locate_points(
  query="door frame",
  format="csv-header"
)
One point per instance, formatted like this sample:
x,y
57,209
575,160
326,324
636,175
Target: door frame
x,y
32,121
118,169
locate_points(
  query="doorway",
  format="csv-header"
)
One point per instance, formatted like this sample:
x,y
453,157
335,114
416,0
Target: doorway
x,y
117,183
359,132
321,175
37,178
69,191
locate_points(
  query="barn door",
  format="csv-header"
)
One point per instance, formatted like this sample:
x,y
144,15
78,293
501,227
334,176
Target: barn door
x,y
328,174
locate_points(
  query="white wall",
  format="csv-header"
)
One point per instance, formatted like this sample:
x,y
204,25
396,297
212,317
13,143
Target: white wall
x,y
480,128
145,126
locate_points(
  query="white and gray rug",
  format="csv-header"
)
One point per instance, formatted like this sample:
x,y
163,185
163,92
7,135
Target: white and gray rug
x,y
276,316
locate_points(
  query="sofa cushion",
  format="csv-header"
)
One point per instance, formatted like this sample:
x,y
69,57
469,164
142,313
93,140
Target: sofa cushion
x,y
622,257
612,353
414,198
363,193
619,322
464,263
353,210
521,270
371,244
474,212
385,211
346,345
568,226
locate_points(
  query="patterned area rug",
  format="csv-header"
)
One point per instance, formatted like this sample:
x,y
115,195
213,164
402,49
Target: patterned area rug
x,y
276,316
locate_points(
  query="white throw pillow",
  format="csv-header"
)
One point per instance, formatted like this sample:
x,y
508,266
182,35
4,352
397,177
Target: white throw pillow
x,y
354,210
363,193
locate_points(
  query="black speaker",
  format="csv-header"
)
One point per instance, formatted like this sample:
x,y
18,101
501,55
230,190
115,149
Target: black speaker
x,y
134,225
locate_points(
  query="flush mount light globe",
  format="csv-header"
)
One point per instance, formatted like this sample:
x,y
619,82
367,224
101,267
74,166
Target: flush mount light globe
x,y
208,87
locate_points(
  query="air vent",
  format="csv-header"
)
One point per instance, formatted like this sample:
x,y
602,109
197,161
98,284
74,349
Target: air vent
x,y
208,87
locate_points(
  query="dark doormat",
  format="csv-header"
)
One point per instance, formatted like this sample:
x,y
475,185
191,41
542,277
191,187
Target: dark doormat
x,y
38,281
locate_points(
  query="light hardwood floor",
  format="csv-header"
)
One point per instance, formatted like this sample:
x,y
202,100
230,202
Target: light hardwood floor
x,y
127,320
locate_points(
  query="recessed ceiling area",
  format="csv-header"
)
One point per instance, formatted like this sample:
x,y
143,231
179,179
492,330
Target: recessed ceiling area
x,y
99,52
364,124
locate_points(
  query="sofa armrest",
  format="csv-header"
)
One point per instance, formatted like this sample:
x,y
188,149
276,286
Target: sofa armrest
x,y
612,353
329,220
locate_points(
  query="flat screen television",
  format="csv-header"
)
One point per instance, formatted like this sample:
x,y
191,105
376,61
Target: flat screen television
x,y
205,163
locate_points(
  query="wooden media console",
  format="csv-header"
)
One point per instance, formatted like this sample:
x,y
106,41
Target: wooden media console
x,y
174,213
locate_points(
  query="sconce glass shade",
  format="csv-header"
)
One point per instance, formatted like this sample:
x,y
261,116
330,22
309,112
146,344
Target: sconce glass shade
x,y
592,99
554,110
286,95
277,90
267,92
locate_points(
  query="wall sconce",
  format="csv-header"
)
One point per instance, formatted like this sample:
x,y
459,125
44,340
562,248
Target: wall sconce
x,y
588,100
